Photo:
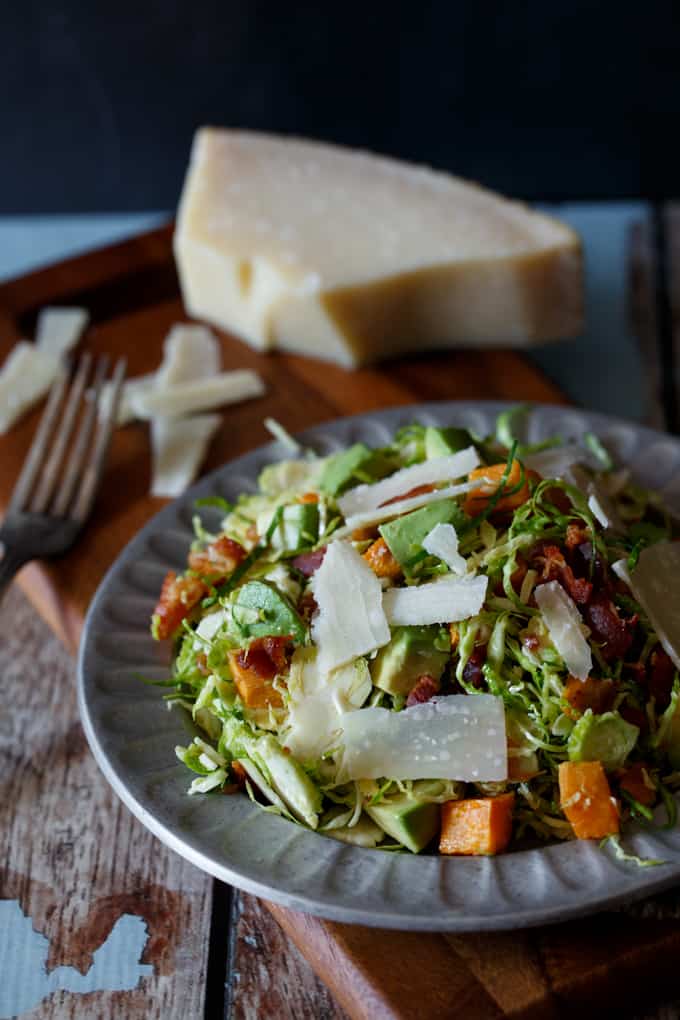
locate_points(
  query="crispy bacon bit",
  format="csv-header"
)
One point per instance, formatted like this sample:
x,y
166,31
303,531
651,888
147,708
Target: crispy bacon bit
x,y
596,694
381,561
549,559
217,560
636,781
419,490
659,679
307,606
308,563
472,671
531,642
576,535
425,688
635,716
238,775
179,595
254,668
614,634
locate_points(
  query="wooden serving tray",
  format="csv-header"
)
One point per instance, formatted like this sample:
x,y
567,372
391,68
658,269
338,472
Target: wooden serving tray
x,y
132,294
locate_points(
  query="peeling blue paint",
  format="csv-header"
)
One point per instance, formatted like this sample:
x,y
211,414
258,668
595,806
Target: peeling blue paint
x,y
24,980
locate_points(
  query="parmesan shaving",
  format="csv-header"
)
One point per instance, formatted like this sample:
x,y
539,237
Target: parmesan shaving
x,y
198,395
384,513
59,329
446,601
562,619
178,445
654,583
351,620
442,542
430,472
460,736
189,352
25,378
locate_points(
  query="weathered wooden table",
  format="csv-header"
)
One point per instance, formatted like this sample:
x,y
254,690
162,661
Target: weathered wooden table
x,y
75,865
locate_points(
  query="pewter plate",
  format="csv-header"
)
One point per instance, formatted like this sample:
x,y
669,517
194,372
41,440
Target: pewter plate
x,y
133,735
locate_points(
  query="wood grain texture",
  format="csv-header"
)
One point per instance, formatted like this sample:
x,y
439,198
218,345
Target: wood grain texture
x,y
642,311
72,855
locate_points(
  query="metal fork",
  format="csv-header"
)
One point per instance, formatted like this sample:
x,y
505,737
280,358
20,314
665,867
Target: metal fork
x,y
58,483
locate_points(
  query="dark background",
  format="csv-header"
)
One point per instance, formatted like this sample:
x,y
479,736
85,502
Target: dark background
x,y
99,101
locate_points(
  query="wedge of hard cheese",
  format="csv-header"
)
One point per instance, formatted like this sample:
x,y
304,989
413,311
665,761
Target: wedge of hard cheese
x,y
354,258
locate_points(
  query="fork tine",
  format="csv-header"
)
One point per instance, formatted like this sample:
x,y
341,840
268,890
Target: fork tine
x,y
95,466
48,477
40,444
81,445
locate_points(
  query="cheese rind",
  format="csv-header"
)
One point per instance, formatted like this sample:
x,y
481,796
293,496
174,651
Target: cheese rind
x,y
352,257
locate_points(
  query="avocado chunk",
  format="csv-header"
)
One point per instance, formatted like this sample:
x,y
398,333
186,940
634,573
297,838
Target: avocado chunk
x,y
341,469
411,652
606,738
413,823
444,442
259,610
404,535
298,528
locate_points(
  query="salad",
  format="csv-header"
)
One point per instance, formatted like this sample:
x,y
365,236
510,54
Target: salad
x,y
436,644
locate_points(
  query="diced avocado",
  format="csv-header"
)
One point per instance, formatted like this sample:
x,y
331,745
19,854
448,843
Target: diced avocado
x,y
298,528
287,778
444,442
410,652
606,738
404,535
414,823
259,610
340,469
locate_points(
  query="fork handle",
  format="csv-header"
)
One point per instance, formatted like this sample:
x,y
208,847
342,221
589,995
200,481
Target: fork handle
x,y
10,565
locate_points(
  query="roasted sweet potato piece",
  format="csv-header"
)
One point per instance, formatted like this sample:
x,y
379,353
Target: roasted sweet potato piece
x,y
308,497
635,780
381,561
253,671
478,499
218,560
594,693
179,595
476,827
586,799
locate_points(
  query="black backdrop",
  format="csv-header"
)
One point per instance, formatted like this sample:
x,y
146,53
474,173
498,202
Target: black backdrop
x,y
571,99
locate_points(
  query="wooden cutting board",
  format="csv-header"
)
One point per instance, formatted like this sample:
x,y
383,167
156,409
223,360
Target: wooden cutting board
x,y
132,293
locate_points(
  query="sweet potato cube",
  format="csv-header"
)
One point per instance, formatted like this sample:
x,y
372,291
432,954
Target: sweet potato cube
x,y
476,827
586,799
253,680
478,499
381,561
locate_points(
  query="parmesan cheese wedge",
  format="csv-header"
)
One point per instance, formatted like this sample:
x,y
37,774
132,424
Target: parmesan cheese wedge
x,y
59,329
564,625
430,472
416,258
25,378
449,600
461,736
654,583
197,395
178,446
351,621
442,542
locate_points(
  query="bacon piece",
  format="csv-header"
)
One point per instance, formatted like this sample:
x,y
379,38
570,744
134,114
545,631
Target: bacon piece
x,y
179,595
635,716
217,560
419,490
308,563
307,606
381,561
636,781
613,633
659,678
425,688
472,671
549,559
596,694
576,535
